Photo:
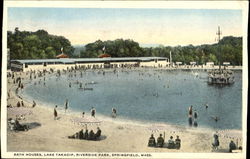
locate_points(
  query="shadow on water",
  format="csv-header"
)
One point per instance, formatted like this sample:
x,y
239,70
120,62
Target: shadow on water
x,y
33,125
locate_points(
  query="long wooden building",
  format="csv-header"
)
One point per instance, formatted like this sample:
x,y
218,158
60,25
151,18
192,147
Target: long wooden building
x,y
64,63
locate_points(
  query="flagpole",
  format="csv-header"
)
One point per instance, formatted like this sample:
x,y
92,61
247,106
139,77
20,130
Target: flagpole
x,y
103,49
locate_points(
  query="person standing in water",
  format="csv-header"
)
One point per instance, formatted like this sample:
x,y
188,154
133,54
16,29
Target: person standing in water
x,y
66,105
114,113
93,111
190,115
34,104
55,113
195,119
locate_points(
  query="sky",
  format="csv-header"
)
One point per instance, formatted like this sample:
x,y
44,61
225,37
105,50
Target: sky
x,y
147,26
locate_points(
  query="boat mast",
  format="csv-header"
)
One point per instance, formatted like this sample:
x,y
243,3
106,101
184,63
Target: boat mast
x,y
219,34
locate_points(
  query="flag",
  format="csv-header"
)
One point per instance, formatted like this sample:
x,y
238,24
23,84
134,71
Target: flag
x,y
103,49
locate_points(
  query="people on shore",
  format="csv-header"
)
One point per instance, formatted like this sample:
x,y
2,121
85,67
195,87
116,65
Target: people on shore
x,y
87,135
160,141
91,135
21,86
177,142
34,104
16,126
171,144
55,113
8,93
98,133
81,134
18,104
20,117
9,106
216,142
232,146
83,113
151,141
20,127
22,104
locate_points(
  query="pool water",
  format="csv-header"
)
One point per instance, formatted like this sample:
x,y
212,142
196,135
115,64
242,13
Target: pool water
x,y
147,95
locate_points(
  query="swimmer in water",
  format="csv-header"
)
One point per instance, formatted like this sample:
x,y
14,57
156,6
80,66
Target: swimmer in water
x,y
206,106
215,118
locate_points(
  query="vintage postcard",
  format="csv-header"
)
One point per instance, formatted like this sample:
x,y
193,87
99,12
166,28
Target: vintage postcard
x,y
124,79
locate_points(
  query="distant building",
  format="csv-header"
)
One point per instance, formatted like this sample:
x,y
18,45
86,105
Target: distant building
x,y
226,63
192,63
211,64
178,63
64,63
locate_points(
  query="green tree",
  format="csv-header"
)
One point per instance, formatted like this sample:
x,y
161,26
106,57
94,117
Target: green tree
x,y
35,45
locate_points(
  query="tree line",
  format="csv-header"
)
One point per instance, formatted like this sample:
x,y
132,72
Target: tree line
x,y
41,45
36,45
229,49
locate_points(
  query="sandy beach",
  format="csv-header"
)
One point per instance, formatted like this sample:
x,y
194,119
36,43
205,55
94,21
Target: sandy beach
x,y
49,135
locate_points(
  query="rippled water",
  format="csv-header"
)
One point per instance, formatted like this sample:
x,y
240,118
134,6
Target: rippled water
x,y
147,95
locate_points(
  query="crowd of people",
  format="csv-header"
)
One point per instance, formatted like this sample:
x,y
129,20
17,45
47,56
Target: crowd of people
x,y
87,135
171,144
14,125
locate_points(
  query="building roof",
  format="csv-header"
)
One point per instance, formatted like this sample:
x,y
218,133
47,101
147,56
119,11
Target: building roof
x,y
226,63
104,55
89,60
62,55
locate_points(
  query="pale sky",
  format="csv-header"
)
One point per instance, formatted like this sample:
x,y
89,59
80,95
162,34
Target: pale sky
x,y
169,27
